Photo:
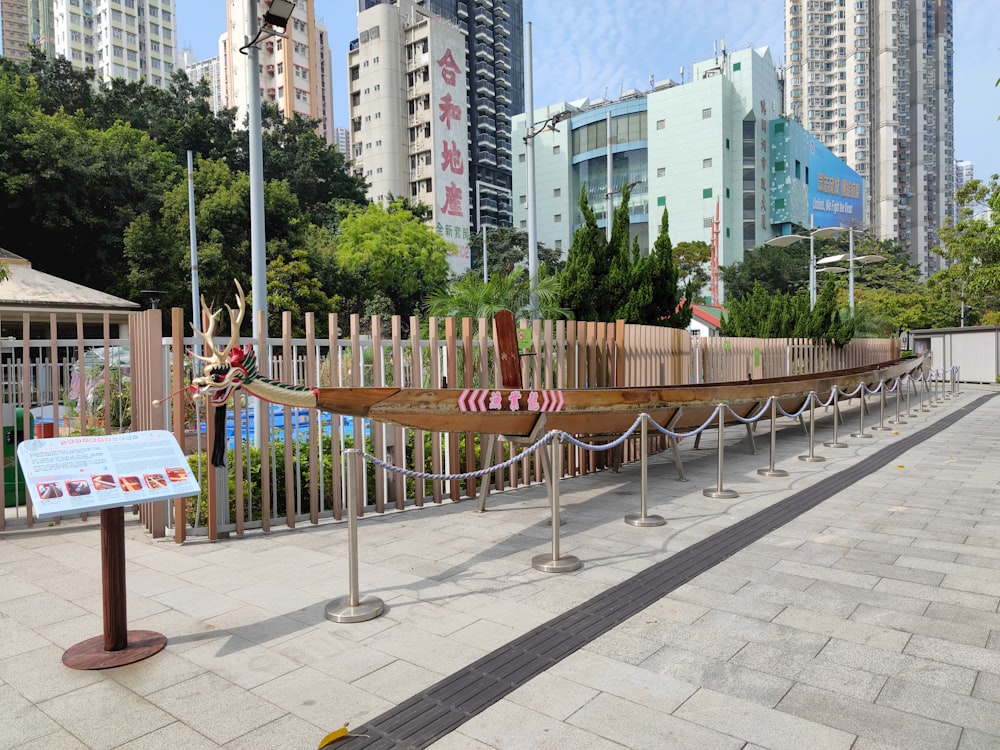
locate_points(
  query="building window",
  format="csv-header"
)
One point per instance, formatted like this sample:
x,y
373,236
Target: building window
x,y
779,203
706,193
661,124
558,244
779,166
708,222
706,163
556,192
779,127
661,200
706,113
520,157
524,224
736,66
557,219
661,172
556,149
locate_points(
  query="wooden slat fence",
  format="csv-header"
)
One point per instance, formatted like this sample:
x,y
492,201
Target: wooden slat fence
x,y
287,470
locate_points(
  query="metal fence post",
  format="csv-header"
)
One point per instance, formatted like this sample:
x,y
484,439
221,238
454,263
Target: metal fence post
x,y
641,519
353,608
718,492
835,443
812,457
770,471
554,563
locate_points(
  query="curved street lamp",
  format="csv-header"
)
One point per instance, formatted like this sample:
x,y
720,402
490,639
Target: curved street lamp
x,y
852,261
788,239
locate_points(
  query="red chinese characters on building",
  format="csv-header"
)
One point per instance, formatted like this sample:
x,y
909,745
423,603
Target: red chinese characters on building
x,y
452,200
449,68
449,111
451,158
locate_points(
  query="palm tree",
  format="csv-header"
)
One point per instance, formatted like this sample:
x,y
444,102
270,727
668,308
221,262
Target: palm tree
x,y
469,297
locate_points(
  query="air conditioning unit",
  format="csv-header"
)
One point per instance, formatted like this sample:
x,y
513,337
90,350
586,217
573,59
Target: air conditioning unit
x,y
270,69
269,46
270,93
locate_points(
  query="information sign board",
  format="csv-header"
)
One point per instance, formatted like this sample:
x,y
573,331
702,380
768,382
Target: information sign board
x,y
68,475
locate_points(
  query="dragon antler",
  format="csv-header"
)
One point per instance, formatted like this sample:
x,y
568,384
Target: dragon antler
x,y
235,318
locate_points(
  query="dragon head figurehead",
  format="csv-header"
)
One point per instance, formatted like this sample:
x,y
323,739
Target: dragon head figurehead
x,y
231,368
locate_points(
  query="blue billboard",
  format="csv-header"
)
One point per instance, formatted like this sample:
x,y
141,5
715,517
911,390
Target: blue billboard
x,y
836,192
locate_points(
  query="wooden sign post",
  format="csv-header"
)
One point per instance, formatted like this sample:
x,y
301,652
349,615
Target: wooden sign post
x,y
67,475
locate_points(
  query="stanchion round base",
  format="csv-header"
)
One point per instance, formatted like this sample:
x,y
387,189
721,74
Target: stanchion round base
x,y
90,654
897,421
772,472
835,445
717,494
812,459
636,519
367,608
880,428
863,435
564,564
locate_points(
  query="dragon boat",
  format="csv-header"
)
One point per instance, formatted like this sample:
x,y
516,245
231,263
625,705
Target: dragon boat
x,y
517,411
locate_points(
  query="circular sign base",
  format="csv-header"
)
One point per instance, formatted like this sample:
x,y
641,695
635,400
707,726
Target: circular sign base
x,y
90,654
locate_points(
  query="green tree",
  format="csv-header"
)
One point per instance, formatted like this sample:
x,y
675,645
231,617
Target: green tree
x,y
692,259
157,244
777,269
972,247
583,279
508,247
765,314
469,297
392,253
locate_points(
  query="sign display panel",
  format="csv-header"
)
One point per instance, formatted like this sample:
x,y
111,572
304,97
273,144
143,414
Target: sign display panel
x,y
68,475
836,198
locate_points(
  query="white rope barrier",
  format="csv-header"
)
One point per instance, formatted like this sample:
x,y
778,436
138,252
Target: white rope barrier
x,y
572,440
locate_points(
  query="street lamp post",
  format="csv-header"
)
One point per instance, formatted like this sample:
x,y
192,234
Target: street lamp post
x,y
529,146
788,239
277,14
853,261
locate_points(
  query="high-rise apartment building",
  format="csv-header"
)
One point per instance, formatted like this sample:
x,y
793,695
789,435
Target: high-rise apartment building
x,y
14,29
295,68
129,39
874,80
198,70
407,139
963,173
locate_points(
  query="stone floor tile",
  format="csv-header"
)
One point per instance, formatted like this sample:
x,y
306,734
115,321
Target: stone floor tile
x,y
663,692
216,708
941,705
105,714
764,726
877,725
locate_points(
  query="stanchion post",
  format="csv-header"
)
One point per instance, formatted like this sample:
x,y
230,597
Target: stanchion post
x,y
899,388
835,443
354,607
811,456
909,387
881,408
920,393
642,519
555,563
718,492
861,427
770,471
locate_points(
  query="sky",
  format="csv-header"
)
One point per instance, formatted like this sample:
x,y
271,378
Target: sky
x,y
587,48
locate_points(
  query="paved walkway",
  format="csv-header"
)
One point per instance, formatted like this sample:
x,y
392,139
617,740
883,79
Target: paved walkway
x,y
867,621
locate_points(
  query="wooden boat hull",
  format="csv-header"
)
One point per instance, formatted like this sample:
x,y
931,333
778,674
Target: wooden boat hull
x,y
515,412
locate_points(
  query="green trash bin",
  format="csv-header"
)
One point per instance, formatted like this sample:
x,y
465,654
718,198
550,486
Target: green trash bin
x,y
14,492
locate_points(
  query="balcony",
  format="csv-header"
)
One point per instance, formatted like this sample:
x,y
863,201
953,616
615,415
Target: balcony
x,y
503,97
499,9
484,35
463,9
487,158
484,52
485,140
502,46
487,123
502,62
483,16
501,26
486,106
484,87
485,69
